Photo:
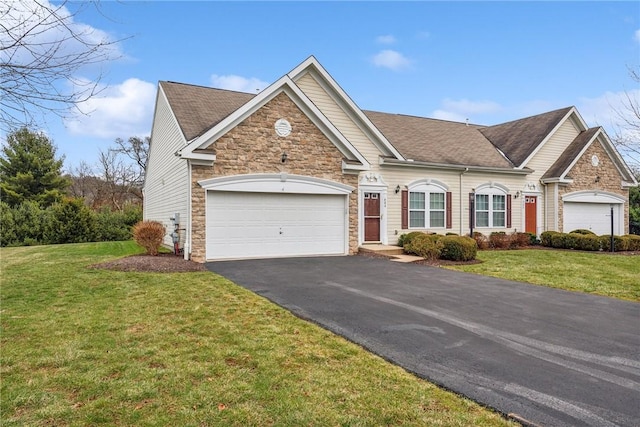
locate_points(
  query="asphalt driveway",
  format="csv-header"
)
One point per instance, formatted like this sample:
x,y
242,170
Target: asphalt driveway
x,y
551,357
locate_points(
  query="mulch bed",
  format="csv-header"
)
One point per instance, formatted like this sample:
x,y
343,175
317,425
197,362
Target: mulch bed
x,y
162,263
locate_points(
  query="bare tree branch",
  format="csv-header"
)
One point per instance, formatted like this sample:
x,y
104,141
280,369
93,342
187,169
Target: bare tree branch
x,y
627,133
43,49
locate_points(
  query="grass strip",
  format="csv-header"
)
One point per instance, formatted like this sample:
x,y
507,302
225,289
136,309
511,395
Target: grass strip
x,y
95,347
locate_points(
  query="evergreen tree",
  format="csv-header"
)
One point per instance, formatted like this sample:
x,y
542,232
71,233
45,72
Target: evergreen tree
x,y
29,170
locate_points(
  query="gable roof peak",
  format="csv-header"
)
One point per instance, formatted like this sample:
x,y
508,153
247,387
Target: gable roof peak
x,y
518,139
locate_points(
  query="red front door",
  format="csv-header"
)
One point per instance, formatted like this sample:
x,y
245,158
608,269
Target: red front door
x,y
371,217
530,214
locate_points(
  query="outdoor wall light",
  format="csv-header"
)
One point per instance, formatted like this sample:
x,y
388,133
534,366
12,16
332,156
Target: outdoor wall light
x,y
397,189
598,178
284,156
517,195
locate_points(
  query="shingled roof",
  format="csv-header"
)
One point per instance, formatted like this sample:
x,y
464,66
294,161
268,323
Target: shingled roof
x,y
519,138
438,141
199,108
570,153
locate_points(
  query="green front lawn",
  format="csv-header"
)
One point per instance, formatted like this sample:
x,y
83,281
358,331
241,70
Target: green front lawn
x,y
94,347
616,275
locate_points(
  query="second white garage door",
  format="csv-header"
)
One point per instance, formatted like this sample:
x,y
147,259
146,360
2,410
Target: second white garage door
x,y
266,225
592,216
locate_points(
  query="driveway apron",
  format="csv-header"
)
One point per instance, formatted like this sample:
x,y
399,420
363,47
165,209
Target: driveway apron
x,y
550,357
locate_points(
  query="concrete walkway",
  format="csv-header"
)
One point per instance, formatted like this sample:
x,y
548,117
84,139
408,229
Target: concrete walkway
x,y
551,357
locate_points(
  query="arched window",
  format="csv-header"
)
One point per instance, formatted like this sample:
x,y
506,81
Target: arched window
x,y
492,207
429,205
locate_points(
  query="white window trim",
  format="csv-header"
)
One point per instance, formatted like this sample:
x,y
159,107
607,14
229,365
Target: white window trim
x,y
491,191
427,187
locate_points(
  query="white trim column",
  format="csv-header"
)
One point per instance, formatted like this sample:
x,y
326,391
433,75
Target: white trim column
x,y
372,182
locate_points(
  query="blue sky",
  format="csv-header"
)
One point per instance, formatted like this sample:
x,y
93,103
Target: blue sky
x,y
489,62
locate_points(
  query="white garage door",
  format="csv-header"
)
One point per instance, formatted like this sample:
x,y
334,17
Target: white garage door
x,y
592,216
266,225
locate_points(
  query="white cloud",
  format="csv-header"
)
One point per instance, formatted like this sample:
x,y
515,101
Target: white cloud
x,y
387,39
238,83
391,59
636,36
460,110
41,31
609,110
122,111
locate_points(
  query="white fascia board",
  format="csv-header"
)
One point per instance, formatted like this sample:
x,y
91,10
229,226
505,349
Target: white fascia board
x,y
469,168
284,84
556,181
318,72
621,165
571,112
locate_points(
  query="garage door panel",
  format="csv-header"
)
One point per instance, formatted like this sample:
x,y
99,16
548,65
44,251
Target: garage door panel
x,y
243,225
591,216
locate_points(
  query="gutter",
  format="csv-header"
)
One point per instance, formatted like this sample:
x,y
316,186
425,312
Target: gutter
x,y
461,168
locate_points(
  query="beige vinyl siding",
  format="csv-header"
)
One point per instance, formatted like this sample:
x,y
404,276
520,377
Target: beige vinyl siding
x,y
543,160
403,176
166,184
340,119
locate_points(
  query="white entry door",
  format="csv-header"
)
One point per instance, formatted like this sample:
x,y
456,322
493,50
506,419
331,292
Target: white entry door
x,y
268,225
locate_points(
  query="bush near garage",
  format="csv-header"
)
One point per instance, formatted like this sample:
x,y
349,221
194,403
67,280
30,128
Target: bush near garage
x,y
149,235
586,240
428,246
458,248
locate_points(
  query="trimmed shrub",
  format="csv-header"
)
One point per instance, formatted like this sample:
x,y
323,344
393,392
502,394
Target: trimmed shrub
x,y
451,234
499,240
545,238
632,242
424,245
583,231
149,235
458,248
408,238
533,239
605,243
587,242
481,240
558,241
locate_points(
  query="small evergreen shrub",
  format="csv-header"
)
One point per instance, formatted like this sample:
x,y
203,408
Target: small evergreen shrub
x,y
533,239
458,248
632,241
426,246
545,237
558,241
583,231
451,234
499,240
408,238
587,242
149,235
618,243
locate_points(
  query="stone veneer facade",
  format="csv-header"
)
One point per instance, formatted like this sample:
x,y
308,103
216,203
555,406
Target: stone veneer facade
x,y
254,147
584,176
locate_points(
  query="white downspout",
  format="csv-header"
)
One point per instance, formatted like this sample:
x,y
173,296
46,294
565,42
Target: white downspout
x,y
461,198
187,243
